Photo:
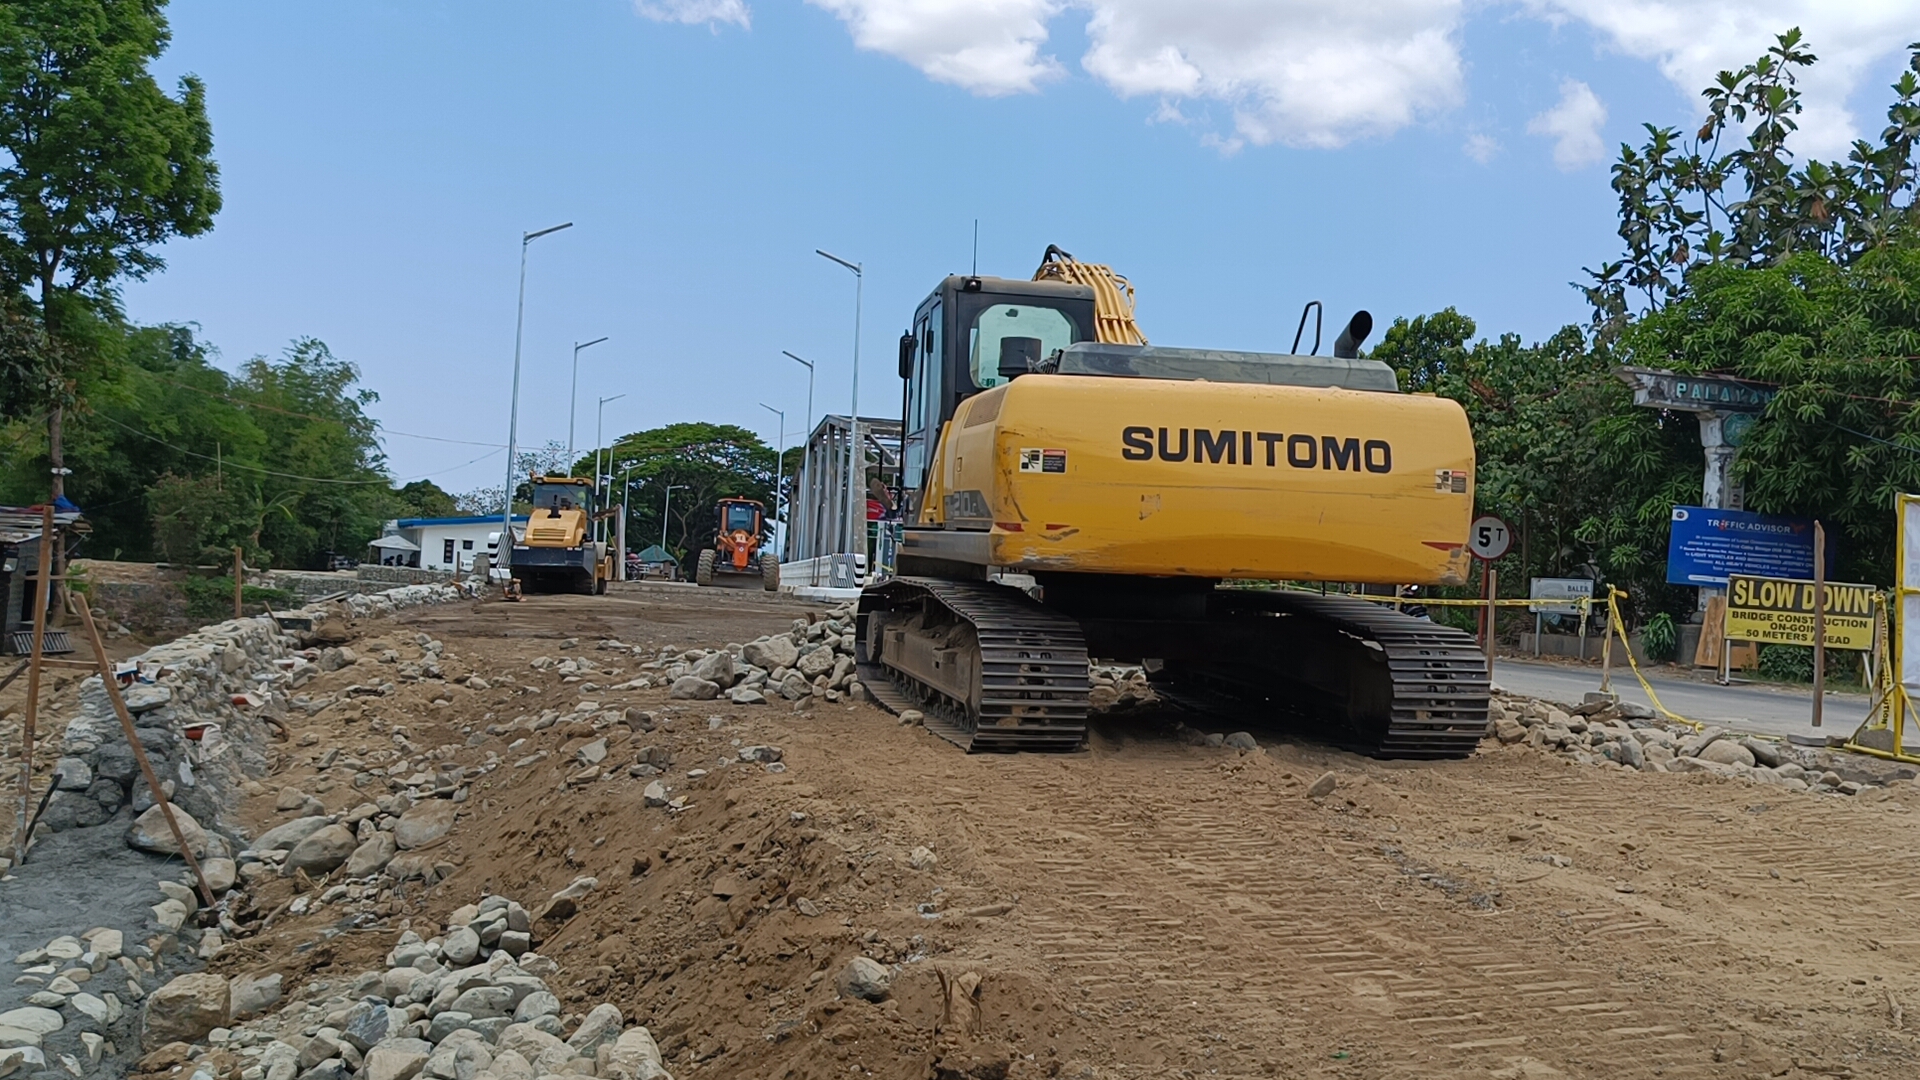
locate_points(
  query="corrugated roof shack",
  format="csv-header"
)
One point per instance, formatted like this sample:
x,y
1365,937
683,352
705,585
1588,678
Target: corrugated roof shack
x,y
19,562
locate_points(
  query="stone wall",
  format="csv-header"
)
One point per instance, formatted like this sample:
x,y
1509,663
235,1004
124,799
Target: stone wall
x,y
402,575
230,683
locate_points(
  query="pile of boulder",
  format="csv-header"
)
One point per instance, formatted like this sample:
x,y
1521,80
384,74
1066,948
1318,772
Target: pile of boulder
x,y
1629,736
470,1003
811,663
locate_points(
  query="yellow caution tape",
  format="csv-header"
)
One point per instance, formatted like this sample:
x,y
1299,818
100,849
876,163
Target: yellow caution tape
x,y
1616,626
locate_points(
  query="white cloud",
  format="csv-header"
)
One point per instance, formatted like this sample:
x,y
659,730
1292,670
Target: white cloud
x,y
1574,125
991,47
1481,148
1300,72
1693,40
693,12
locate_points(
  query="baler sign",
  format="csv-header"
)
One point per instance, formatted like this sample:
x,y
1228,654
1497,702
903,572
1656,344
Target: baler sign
x,y
1779,611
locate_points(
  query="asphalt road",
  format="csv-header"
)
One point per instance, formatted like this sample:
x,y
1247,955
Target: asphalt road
x,y
1765,709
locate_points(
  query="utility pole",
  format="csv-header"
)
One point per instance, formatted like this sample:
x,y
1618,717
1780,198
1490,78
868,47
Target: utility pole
x,y
856,489
779,464
513,414
573,396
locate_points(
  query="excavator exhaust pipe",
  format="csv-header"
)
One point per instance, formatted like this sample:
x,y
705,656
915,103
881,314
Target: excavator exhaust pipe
x,y
1347,345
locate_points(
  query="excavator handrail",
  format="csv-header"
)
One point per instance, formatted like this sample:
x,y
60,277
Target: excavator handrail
x,y
1112,295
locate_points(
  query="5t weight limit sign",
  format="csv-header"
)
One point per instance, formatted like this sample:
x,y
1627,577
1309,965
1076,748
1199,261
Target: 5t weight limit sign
x,y
1489,538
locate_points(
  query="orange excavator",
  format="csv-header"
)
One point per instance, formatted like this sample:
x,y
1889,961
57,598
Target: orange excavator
x,y
736,546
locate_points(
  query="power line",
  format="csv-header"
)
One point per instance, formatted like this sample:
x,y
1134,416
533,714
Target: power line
x,y
230,464
231,400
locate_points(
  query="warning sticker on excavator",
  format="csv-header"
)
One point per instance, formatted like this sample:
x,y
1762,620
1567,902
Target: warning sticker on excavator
x,y
1033,459
1450,480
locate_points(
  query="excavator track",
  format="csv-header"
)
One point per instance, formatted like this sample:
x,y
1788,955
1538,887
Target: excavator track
x,y
989,668
1379,681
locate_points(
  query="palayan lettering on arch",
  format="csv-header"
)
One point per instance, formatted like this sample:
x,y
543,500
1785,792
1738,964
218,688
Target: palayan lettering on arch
x,y
1231,446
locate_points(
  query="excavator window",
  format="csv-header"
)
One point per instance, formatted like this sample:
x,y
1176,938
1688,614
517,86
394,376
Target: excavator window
x,y
1000,322
738,518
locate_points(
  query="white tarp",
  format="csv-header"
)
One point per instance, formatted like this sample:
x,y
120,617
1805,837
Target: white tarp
x,y
1910,593
395,543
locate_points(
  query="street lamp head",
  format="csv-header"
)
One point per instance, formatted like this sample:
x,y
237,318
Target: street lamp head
x,y
796,359
528,238
855,267
578,345
771,409
615,397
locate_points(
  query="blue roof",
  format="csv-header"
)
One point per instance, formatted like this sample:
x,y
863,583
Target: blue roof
x,y
490,519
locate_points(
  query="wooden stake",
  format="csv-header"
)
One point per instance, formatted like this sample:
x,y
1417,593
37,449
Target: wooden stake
x,y
239,580
33,680
1819,619
1493,593
112,687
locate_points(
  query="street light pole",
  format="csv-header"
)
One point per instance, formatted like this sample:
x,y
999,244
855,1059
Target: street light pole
x,y
664,512
573,396
513,414
856,496
599,417
806,524
779,465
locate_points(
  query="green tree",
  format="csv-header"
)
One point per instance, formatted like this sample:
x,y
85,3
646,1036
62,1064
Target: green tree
x,y
703,462
100,167
201,519
424,498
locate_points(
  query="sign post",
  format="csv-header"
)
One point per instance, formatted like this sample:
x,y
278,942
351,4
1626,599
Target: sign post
x,y
1488,538
1559,589
1819,619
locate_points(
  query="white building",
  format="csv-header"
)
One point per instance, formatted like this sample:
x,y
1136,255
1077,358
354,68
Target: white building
x,y
447,543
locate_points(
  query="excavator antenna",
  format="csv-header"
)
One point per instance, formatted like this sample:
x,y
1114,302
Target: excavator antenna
x,y
1112,295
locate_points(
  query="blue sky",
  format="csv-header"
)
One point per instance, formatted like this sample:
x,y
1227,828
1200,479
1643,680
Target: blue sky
x,y
1235,158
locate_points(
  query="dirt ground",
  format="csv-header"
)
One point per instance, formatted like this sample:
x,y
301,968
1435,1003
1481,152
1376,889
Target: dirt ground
x,y
1143,909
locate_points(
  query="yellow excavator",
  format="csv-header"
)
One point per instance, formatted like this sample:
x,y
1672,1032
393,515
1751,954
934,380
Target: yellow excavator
x,y
1073,491
558,552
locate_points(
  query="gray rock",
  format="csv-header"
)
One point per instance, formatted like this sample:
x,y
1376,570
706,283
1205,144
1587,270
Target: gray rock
x,y
912,718
1241,740
485,1001
372,855
1629,752
250,994
371,1023
1726,752
145,697
74,774
1323,787
115,761
322,852
149,832
761,754
108,793
655,793
815,663
284,837
445,1023
602,1025
426,824
290,798
32,1020
794,687
771,653
694,688
593,753
635,1056
183,1010
744,695
1508,730
866,979
1770,754
396,1059
536,1005
717,668
69,810
461,947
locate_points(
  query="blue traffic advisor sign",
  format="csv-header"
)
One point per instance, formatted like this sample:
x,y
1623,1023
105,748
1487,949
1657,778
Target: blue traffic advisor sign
x,y
1707,545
